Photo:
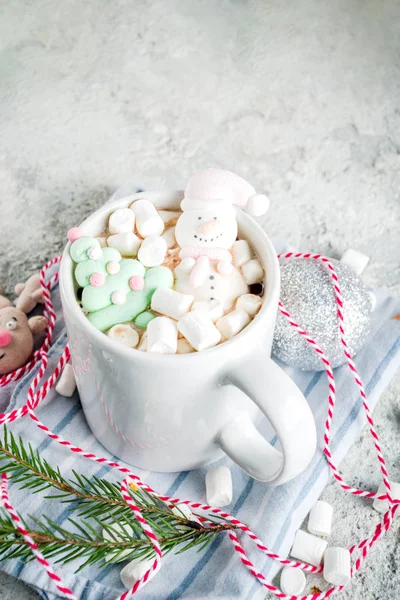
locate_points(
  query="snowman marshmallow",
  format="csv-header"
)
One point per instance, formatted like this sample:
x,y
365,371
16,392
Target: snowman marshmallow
x,y
207,228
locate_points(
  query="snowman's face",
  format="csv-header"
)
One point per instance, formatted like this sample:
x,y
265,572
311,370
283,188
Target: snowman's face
x,y
212,229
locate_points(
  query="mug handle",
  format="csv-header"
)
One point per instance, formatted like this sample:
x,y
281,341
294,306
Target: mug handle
x,y
281,401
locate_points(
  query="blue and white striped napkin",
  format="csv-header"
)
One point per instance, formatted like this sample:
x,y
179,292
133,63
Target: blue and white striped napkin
x,y
273,513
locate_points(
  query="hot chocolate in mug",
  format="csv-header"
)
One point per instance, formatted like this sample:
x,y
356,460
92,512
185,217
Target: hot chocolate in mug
x,y
165,412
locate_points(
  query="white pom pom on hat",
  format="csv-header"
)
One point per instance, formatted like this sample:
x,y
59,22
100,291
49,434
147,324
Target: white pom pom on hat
x,y
219,190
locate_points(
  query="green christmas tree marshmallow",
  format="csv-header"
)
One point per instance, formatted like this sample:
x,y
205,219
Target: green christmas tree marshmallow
x,y
115,289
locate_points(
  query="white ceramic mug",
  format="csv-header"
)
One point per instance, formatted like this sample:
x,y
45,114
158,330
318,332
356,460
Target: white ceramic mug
x,y
181,412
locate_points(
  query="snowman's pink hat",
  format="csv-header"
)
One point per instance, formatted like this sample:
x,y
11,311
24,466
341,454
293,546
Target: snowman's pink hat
x,y
219,190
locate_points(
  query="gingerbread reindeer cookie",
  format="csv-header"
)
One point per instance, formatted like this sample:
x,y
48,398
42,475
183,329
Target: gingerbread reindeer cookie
x,y
17,333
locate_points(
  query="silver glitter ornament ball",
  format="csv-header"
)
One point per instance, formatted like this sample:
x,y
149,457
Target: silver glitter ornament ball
x,y
307,294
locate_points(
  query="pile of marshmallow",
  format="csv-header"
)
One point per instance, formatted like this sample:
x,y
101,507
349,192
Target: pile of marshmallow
x,y
150,243
178,322
311,548
188,324
174,282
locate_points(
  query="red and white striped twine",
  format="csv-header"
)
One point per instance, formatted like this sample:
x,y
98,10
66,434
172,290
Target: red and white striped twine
x,y
28,539
35,397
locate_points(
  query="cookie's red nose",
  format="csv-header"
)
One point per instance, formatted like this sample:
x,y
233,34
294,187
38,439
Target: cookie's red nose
x,y
5,338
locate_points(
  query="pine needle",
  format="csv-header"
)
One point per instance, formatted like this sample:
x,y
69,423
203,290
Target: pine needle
x,y
95,506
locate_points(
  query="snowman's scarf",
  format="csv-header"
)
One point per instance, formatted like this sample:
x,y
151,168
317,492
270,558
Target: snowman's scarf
x,y
211,253
35,396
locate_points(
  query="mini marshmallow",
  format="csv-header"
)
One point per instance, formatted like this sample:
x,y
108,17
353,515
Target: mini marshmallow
x,y
124,334
169,215
250,303
183,511
185,266
199,330
233,322
121,220
293,581
357,261
184,347
224,268
134,571
143,342
152,251
382,506
320,519
119,533
162,336
148,221
213,308
169,237
337,566
308,548
127,244
171,303
219,486
252,271
242,252
66,385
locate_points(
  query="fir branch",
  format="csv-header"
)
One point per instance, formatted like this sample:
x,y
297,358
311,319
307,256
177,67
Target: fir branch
x,y
92,495
98,508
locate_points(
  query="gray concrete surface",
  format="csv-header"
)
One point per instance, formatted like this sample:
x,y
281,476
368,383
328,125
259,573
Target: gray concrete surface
x,y
302,98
